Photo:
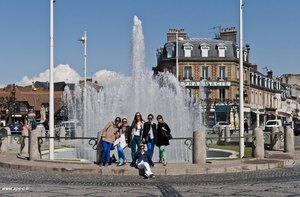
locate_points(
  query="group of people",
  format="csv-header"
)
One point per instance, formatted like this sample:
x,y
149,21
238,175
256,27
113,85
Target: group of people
x,y
137,136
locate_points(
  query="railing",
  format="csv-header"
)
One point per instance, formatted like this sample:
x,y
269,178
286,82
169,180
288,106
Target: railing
x,y
93,141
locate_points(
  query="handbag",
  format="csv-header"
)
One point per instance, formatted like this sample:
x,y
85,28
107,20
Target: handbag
x,y
166,135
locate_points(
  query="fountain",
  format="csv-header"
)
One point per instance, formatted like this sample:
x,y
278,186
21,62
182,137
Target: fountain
x,y
141,92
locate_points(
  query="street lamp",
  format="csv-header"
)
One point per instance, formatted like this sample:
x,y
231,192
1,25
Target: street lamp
x,y
51,88
83,39
241,84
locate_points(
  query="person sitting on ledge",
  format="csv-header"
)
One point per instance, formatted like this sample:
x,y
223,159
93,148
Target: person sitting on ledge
x,y
143,161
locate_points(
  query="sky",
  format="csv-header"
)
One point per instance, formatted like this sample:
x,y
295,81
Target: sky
x,y
271,28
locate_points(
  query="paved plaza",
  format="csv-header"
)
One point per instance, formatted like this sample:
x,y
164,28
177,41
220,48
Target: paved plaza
x,y
36,178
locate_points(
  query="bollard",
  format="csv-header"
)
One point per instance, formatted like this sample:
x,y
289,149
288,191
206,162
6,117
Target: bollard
x,y
62,134
199,147
3,143
8,137
289,144
227,134
34,150
258,150
43,131
281,143
99,148
24,149
275,143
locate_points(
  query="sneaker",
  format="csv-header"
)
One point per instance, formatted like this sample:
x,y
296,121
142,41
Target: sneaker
x,y
164,163
146,176
121,164
101,164
152,176
106,165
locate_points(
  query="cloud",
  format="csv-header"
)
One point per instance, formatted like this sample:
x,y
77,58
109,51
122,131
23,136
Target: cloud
x,y
63,72
105,76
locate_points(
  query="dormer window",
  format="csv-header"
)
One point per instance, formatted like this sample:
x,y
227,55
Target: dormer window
x,y
221,49
188,47
204,50
238,53
170,50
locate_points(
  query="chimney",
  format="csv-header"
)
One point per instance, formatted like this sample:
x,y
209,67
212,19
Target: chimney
x,y
228,34
254,67
248,52
270,74
171,35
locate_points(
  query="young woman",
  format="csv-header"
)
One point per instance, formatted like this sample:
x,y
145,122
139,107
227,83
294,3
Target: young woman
x,y
122,141
137,129
162,142
149,133
108,136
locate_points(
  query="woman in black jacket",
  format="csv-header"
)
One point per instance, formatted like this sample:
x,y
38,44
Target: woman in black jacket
x,y
149,133
161,141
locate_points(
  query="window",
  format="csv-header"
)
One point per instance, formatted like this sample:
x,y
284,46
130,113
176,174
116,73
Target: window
x,y
188,72
204,50
221,49
205,72
222,72
170,50
188,47
238,53
222,94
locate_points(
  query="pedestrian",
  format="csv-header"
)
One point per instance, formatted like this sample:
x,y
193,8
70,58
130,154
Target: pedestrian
x,y
108,136
136,131
161,140
149,133
143,161
246,126
124,136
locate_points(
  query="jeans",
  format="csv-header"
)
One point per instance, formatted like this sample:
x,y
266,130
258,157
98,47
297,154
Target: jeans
x,y
162,153
105,153
121,154
136,141
150,147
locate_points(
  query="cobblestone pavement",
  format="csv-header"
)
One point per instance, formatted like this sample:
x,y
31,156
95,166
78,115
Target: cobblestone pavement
x,y
275,182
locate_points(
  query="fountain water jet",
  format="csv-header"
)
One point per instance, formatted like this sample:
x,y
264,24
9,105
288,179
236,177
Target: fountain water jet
x,y
140,92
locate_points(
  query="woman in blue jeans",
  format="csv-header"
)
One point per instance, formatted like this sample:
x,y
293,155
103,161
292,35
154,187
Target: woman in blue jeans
x,y
149,133
137,129
108,136
123,141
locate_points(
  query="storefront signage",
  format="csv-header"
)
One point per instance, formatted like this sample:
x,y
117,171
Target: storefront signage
x,y
206,83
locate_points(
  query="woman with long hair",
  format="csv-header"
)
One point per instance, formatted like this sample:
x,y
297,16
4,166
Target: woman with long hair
x,y
137,129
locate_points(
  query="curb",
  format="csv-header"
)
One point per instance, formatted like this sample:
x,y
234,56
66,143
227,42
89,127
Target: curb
x,y
88,168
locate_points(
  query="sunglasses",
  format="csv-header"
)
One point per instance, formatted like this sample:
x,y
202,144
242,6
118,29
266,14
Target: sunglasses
x,y
124,121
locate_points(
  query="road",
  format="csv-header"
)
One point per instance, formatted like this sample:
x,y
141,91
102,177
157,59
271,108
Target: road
x,y
275,182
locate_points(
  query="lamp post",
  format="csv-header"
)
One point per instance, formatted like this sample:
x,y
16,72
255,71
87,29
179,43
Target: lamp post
x,y
177,66
51,88
242,145
82,39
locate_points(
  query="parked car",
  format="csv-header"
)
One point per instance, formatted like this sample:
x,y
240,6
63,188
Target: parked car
x,y
16,128
272,123
219,126
297,128
70,127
